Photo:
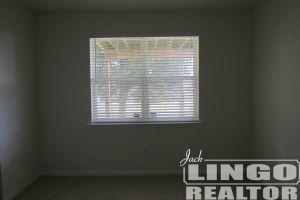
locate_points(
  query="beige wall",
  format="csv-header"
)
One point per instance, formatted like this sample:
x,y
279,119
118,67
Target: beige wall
x,y
18,139
68,144
276,80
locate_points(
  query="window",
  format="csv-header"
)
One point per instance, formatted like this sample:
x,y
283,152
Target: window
x,y
144,79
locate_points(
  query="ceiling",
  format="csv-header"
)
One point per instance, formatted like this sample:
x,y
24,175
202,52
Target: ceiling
x,y
91,5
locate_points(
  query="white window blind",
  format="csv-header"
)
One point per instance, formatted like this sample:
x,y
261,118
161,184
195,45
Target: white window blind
x,y
144,79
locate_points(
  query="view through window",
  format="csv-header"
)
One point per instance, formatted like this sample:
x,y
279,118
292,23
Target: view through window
x,y
144,79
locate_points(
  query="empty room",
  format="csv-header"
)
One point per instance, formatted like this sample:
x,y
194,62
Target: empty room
x,y
149,99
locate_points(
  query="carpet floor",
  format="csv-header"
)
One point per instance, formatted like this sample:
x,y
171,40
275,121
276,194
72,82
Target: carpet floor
x,y
106,188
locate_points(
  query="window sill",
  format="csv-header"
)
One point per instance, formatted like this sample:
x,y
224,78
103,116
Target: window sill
x,y
99,124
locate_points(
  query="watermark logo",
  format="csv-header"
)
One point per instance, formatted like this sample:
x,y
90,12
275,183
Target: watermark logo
x,y
213,179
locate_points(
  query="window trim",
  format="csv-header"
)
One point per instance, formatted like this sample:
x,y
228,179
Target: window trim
x,y
200,121
159,123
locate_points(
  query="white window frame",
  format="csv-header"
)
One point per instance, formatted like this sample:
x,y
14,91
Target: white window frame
x,y
145,105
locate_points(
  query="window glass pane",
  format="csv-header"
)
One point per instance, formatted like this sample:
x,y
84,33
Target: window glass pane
x,y
144,79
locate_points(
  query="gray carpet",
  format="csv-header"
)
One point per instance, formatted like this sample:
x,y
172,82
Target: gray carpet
x,y
106,188
1,192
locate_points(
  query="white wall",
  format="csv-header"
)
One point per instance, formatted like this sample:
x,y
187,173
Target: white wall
x,y
18,139
69,145
276,80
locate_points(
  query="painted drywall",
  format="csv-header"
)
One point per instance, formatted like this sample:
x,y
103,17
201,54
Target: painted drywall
x,y
135,5
276,80
18,139
69,145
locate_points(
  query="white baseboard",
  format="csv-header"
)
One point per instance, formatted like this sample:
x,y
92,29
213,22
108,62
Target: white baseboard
x,y
22,188
112,173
